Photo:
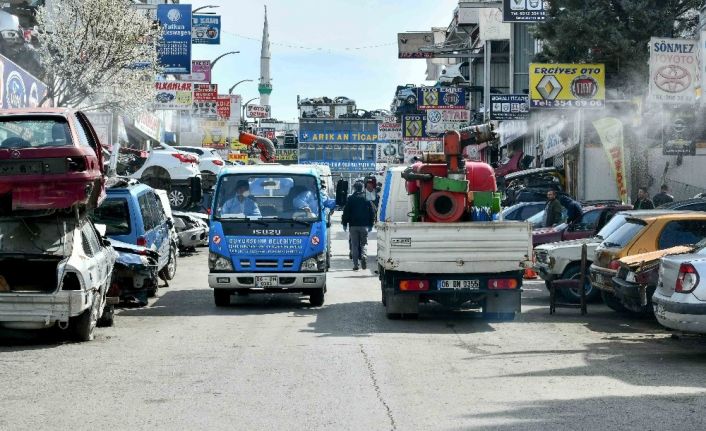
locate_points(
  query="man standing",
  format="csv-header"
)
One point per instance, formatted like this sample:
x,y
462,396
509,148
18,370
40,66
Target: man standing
x,y
573,209
643,201
360,216
242,203
663,197
552,211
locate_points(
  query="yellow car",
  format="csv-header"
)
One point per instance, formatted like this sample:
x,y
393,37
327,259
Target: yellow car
x,y
643,232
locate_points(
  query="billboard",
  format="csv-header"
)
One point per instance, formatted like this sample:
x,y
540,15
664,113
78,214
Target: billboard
x,y
414,127
344,165
441,120
337,136
205,92
410,43
525,10
19,89
149,124
610,131
567,85
223,107
172,95
267,132
674,70
200,72
102,123
441,98
236,101
390,131
678,133
257,111
175,49
509,106
492,26
214,134
207,109
206,29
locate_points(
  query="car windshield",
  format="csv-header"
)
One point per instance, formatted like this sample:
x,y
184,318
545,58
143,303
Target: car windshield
x,y
624,234
257,196
114,214
30,235
610,227
537,220
34,132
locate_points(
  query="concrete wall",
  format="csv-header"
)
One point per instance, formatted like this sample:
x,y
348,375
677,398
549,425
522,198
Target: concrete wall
x,y
685,180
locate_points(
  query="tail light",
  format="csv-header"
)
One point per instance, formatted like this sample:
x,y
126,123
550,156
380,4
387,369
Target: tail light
x,y
502,283
217,162
687,280
76,164
142,241
186,158
414,285
208,211
614,265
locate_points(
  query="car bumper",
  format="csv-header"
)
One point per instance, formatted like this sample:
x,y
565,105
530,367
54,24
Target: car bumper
x,y
42,310
681,316
285,281
193,237
629,295
544,271
602,278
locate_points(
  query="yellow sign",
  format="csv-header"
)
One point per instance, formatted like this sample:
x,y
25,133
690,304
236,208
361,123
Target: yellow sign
x,y
214,134
288,155
238,157
567,85
610,131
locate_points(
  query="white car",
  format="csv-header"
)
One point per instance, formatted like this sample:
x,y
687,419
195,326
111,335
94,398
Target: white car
x,y
679,301
210,164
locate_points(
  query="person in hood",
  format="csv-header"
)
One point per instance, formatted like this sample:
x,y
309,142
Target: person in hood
x,y
358,214
573,209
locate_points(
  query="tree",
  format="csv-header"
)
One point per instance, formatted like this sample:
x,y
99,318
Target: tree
x,y
613,32
98,55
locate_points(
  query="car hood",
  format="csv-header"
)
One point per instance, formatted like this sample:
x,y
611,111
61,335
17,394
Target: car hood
x,y
635,260
574,243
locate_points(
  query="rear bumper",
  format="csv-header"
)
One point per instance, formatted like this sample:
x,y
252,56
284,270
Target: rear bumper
x,y
602,278
681,316
628,294
286,281
193,237
43,309
49,191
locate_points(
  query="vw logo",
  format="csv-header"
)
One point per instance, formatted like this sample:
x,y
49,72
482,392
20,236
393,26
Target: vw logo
x,y
174,15
434,116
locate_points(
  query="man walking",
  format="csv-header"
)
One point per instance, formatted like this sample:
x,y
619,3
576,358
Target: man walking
x,y
643,201
574,211
360,216
552,211
663,197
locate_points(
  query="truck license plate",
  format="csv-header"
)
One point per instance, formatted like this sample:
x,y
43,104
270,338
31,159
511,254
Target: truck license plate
x,y
265,281
459,284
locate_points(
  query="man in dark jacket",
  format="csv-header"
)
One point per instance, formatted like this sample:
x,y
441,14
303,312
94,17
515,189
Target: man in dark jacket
x,y
643,201
573,208
359,215
663,197
552,211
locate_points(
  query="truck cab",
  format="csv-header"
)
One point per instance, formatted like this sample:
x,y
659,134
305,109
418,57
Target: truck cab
x,y
268,233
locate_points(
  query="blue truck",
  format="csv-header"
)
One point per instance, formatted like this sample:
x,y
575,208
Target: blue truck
x,y
269,232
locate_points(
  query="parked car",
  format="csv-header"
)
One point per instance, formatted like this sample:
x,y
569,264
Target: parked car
x,y
165,167
405,99
696,204
54,270
164,200
531,185
210,164
523,211
135,274
680,299
192,231
648,231
592,220
537,220
55,148
133,214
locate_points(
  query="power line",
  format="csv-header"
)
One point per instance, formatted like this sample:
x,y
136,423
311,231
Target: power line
x,y
311,48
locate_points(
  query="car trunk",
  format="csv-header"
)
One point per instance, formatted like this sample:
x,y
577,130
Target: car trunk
x,y
28,274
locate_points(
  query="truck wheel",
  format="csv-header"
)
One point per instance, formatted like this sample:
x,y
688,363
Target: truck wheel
x,y
221,297
574,295
612,302
316,299
108,318
83,325
168,272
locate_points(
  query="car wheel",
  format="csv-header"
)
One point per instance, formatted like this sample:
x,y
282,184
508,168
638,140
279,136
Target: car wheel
x,y
178,198
316,299
221,297
612,302
157,178
168,272
411,100
83,325
574,295
108,317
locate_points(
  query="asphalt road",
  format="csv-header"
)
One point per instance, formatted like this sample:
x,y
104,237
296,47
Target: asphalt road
x,y
273,362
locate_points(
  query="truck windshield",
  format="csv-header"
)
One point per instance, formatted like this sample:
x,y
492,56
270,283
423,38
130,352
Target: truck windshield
x,y
34,235
279,197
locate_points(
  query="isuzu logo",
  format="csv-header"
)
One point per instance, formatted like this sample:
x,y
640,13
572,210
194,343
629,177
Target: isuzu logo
x,y
266,232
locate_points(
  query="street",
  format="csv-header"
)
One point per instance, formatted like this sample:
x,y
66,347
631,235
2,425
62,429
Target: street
x,y
273,362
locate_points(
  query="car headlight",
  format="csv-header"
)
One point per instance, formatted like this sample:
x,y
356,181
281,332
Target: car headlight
x,y
317,263
216,262
551,261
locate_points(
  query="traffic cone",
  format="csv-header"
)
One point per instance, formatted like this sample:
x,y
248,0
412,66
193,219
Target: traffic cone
x,y
530,274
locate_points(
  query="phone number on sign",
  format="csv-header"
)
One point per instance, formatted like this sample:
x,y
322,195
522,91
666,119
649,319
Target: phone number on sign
x,y
568,103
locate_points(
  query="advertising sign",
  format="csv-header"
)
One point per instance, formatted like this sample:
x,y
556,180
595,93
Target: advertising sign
x,y
19,89
175,49
149,124
240,157
338,136
214,134
287,155
236,101
257,111
509,106
414,127
525,10
610,131
390,152
410,151
223,107
410,43
492,26
206,29
557,135
207,109
267,132
512,130
344,165
173,95
200,72
441,98
441,120
390,131
205,92
674,69
567,85
102,123
678,133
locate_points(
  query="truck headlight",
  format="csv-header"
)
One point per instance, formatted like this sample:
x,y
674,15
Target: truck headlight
x,y
317,263
216,262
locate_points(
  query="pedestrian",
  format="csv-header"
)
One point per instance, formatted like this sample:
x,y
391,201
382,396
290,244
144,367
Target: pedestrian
x,y
663,197
552,211
341,192
359,216
573,209
643,201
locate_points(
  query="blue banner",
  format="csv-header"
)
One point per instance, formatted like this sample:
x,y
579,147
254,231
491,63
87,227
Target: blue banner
x,y
175,49
206,29
338,136
344,165
441,98
18,88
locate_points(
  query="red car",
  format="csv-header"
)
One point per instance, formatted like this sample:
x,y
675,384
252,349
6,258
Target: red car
x,y
49,159
593,219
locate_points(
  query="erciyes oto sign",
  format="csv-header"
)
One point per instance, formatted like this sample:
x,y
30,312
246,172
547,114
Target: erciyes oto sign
x,y
674,70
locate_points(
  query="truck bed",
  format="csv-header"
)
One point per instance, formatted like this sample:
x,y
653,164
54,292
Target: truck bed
x,y
453,248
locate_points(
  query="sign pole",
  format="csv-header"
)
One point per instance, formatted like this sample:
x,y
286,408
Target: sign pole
x,y
486,81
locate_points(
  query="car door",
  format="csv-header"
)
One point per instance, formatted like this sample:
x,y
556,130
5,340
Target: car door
x,y
94,276
148,221
162,236
584,227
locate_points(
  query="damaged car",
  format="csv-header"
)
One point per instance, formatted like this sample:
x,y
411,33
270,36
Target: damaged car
x,y
135,275
55,270
191,230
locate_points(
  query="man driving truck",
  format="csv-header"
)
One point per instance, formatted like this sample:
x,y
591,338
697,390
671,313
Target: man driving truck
x,y
241,203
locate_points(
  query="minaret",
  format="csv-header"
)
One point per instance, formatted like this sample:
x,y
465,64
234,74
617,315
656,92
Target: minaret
x,y
265,87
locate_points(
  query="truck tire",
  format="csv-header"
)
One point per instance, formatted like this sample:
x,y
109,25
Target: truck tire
x,y
317,298
108,318
574,296
83,325
612,302
221,297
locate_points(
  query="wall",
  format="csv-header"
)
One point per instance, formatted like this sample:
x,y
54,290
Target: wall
x,y
685,180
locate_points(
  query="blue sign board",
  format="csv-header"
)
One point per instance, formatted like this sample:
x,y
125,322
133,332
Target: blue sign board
x,y
206,29
175,49
344,165
338,136
441,98
19,89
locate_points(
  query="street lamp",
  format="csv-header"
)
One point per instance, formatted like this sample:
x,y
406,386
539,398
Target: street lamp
x,y
213,62
245,106
210,6
236,84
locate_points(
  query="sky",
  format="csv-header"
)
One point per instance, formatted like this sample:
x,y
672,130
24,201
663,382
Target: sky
x,y
324,67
